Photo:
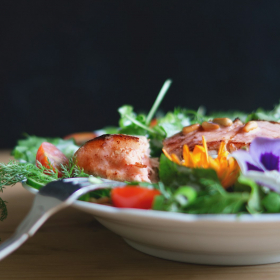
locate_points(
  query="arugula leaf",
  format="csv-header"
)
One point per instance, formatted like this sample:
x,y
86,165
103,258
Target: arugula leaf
x,y
211,196
67,147
174,176
261,114
207,201
254,202
131,123
229,114
126,111
228,203
173,122
182,197
107,130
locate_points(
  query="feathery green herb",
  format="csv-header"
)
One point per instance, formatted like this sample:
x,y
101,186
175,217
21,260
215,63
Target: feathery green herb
x,y
14,172
3,210
71,170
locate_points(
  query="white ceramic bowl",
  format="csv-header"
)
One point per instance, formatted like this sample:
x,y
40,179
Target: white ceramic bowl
x,y
200,239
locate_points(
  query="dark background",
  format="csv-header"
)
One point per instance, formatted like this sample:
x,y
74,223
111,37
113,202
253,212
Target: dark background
x,y
66,66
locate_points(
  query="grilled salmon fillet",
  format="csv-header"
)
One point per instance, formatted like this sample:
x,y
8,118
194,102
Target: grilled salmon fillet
x,y
118,157
236,135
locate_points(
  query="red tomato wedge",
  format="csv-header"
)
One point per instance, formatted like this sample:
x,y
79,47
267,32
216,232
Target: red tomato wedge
x,y
133,197
51,157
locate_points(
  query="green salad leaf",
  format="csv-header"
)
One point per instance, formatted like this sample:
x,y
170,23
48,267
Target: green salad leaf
x,y
266,115
174,175
229,114
210,196
131,123
228,203
254,202
107,130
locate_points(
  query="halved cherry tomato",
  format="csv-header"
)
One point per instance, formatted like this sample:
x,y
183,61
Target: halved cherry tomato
x,y
51,157
133,197
81,137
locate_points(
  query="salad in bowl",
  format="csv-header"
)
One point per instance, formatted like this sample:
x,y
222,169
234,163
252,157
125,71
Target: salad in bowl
x,y
189,177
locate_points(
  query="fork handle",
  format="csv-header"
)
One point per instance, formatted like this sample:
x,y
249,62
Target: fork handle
x,y
45,205
32,222
10,245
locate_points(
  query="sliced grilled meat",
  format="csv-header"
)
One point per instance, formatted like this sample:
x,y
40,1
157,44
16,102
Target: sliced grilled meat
x,y
237,136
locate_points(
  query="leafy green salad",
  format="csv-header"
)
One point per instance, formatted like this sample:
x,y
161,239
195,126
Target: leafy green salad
x,y
193,190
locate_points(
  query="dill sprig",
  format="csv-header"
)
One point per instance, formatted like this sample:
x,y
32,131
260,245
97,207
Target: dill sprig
x,y
71,170
14,172
3,210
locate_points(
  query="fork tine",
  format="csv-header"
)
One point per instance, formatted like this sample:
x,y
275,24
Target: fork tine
x,y
77,179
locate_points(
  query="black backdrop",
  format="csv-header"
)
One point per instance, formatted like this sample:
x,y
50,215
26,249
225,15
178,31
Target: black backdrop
x,y
66,66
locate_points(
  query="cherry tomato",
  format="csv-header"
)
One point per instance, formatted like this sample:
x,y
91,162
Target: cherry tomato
x,y
153,122
81,137
51,157
133,197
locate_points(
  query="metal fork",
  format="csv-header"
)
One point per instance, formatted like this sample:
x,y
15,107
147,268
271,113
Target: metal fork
x,y
49,200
